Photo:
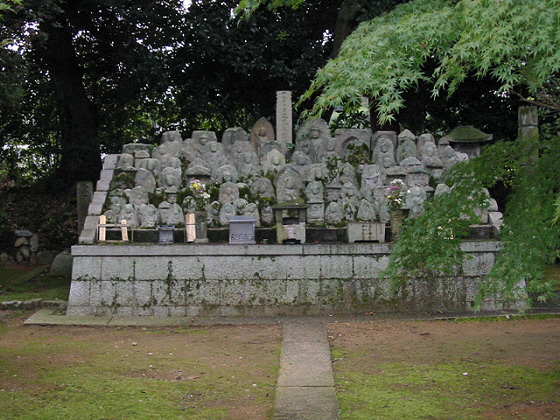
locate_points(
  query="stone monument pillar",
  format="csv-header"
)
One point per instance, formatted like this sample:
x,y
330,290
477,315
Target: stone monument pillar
x,y
528,129
284,116
528,122
84,194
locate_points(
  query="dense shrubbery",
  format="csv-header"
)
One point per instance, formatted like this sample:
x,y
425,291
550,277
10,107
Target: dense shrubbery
x,y
52,215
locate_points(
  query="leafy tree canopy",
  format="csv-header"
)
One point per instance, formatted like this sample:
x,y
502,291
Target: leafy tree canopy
x,y
512,41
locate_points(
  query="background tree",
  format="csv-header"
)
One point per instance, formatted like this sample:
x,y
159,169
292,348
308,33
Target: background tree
x,y
90,54
442,43
227,71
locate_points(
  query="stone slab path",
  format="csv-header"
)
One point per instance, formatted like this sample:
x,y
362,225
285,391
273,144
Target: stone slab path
x,y
305,389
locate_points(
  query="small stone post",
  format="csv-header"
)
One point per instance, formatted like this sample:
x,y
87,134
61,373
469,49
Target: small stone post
x,y
84,194
284,116
528,122
528,128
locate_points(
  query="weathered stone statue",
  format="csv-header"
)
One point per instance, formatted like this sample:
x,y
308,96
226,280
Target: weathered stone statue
x,y
301,163
229,192
147,215
334,214
267,215
225,173
137,196
128,213
198,139
231,136
350,200
315,192
406,146
212,154
171,144
288,186
262,187
152,165
372,176
417,177
415,199
384,154
317,132
248,164
145,179
273,162
367,211
170,179
424,138
347,173
170,212
261,133
227,211
126,163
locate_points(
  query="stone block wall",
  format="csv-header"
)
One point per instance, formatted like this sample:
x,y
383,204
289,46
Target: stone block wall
x,y
220,280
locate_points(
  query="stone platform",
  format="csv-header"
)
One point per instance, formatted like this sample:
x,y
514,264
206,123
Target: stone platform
x,y
262,280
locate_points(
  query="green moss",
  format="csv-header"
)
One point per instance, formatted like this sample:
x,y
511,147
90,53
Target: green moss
x,y
112,384
123,180
156,198
20,284
401,391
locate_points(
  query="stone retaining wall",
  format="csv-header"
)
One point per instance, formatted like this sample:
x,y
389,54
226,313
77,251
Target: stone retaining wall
x,y
175,280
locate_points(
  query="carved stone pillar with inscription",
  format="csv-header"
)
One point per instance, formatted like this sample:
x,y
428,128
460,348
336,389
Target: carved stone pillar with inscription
x,y
284,116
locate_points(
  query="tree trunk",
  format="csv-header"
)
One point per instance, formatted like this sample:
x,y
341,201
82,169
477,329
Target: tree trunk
x,y
345,24
80,150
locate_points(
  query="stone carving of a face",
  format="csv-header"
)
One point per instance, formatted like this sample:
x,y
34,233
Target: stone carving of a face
x,y
384,145
203,139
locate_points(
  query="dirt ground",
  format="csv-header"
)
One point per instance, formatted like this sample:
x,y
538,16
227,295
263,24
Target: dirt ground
x,y
235,367
526,342
231,368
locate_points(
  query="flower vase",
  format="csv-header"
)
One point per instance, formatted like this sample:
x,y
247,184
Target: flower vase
x,y
201,227
397,216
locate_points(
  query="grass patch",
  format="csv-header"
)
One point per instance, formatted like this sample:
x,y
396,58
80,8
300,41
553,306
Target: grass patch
x,y
26,283
552,273
88,373
441,391
512,317
448,370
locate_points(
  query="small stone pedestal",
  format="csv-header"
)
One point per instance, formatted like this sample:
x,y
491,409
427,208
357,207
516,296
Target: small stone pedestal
x,y
165,234
365,232
201,227
290,228
242,230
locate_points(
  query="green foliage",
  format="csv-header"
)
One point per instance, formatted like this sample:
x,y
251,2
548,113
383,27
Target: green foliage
x,y
530,238
430,245
513,41
406,391
226,72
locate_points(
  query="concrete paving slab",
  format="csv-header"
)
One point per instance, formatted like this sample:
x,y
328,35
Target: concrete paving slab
x,y
313,360
50,316
305,403
305,388
203,320
150,321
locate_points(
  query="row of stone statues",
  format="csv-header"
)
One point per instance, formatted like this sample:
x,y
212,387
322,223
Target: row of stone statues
x,y
342,178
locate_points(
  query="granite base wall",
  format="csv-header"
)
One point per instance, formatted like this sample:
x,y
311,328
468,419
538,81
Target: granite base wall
x,y
228,280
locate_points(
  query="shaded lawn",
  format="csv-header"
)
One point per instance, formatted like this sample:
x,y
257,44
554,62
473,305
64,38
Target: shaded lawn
x,y
21,282
137,373
447,370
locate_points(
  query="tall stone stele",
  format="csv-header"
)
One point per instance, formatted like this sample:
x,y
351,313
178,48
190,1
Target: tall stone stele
x,y
284,116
